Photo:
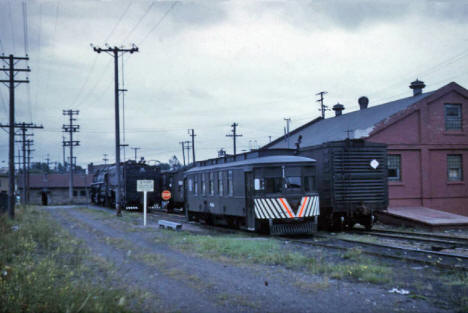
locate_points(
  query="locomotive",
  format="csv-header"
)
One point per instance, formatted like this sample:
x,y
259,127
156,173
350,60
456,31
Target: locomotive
x,y
104,186
265,191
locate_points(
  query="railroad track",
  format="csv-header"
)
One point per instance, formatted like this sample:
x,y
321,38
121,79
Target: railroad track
x,y
439,259
441,241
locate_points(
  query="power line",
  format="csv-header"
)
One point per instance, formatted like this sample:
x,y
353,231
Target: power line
x,y
159,22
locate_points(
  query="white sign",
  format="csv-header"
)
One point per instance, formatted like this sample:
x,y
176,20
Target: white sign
x,y
145,185
374,164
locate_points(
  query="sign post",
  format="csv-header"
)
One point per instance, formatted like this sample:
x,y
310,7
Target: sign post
x,y
145,186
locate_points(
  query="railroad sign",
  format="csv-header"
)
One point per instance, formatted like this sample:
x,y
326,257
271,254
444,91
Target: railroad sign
x,y
166,195
145,185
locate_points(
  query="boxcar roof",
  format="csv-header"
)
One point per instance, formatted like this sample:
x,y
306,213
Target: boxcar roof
x,y
275,159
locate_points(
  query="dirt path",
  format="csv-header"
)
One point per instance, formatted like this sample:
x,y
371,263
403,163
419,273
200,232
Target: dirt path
x,y
176,281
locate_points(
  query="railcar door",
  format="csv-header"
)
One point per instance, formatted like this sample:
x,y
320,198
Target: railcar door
x,y
249,205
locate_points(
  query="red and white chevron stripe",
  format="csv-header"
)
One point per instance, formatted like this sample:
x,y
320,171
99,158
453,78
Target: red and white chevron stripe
x,y
276,208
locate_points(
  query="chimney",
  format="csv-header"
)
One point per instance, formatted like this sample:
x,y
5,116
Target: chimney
x,y
338,108
417,87
363,103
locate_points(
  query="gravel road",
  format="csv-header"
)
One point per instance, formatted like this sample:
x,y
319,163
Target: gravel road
x,y
178,281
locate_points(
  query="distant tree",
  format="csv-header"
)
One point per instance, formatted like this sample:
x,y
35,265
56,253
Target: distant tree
x,y
174,163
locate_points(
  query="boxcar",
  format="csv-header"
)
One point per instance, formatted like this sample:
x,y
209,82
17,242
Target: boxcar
x,y
272,193
104,186
351,181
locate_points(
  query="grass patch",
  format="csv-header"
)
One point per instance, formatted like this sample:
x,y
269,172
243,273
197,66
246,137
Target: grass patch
x,y
43,270
272,252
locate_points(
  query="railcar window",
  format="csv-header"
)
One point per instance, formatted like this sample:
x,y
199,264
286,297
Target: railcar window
x,y
195,183
273,184
230,188
203,183
190,185
211,184
220,183
293,182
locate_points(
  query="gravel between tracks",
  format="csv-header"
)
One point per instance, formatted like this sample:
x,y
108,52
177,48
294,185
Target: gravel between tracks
x,y
176,281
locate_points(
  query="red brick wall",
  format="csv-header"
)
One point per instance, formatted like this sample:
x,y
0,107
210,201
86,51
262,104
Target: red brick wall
x,y
418,135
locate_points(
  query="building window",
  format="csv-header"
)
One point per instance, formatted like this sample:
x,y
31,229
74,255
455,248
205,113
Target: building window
x,y
75,193
454,167
220,183
453,117
394,167
82,193
230,189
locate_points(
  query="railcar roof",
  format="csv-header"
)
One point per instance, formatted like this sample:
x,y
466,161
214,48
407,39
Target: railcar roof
x,y
275,159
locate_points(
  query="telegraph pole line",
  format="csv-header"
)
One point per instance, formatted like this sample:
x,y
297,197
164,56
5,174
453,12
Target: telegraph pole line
x,y
23,127
11,83
192,134
105,159
323,107
187,147
70,129
29,143
135,149
114,52
234,135
288,121
183,150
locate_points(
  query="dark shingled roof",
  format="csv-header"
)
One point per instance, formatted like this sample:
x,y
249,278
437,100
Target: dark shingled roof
x,y
56,180
360,122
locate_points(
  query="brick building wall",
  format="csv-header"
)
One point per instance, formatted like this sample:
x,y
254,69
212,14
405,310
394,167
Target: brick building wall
x,y
433,160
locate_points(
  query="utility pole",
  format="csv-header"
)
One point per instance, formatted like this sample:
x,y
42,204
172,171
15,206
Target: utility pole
x,y
183,150
323,107
23,127
288,121
234,135
70,129
114,52
105,159
29,144
191,132
48,162
187,147
135,149
63,151
11,82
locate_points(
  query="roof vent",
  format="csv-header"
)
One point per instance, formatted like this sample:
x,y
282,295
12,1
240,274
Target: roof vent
x,y
338,108
417,87
363,103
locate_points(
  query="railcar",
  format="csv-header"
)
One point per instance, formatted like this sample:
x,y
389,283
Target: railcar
x,y
257,191
104,186
351,181
173,181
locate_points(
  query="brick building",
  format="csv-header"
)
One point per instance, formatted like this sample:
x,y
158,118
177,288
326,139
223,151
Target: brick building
x,y
52,189
427,139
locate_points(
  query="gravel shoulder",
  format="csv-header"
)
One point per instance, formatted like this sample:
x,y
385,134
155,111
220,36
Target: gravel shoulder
x,y
174,280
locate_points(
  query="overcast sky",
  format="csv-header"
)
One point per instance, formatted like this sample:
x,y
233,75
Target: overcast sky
x,y
205,65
